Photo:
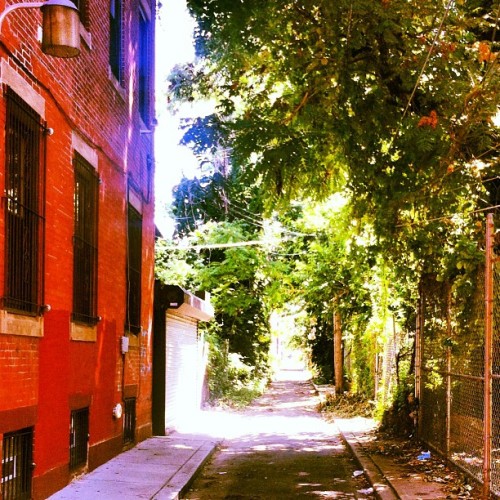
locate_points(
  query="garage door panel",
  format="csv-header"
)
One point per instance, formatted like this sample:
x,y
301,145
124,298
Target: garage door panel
x,y
181,370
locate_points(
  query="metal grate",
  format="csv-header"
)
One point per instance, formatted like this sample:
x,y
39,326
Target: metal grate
x,y
17,464
85,242
24,188
129,420
134,255
78,438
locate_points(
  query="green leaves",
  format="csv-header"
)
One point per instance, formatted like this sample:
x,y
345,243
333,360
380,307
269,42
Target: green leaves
x,y
311,92
387,104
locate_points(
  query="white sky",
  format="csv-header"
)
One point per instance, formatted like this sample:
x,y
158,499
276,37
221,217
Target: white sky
x,y
174,45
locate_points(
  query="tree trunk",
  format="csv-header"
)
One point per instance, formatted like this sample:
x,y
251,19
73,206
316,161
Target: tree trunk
x,y
338,358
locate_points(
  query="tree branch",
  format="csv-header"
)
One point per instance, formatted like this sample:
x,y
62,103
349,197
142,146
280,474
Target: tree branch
x,y
294,113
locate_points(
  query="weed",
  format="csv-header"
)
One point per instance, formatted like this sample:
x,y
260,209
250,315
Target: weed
x,y
347,405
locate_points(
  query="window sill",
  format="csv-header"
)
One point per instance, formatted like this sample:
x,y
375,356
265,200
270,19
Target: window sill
x,y
82,333
18,324
120,90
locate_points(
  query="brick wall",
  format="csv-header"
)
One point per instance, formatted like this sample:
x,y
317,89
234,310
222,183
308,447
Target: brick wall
x,y
47,374
18,363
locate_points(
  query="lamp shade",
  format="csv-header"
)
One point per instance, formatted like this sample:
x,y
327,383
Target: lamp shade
x,y
61,28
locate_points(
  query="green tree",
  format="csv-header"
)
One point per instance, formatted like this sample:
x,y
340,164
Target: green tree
x,y
394,105
392,99
237,280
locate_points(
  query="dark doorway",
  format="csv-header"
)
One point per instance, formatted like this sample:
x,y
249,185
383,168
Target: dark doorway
x,y
159,360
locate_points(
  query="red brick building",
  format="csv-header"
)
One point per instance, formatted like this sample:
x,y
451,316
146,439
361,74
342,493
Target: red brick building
x,y
76,244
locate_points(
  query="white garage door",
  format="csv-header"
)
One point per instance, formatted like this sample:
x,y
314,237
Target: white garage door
x,y
181,386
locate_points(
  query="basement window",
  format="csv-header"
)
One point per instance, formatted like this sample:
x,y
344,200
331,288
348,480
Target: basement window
x,y
17,459
129,420
78,438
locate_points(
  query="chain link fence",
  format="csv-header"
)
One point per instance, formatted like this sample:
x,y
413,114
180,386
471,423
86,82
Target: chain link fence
x,y
458,369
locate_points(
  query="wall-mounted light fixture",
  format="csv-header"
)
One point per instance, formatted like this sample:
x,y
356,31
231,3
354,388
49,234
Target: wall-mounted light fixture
x,y
60,26
117,411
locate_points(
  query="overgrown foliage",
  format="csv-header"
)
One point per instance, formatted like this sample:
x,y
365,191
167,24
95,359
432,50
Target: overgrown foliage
x,y
231,382
239,336
346,406
367,133
391,99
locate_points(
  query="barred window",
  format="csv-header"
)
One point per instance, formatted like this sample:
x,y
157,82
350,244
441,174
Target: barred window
x,y
144,55
24,218
116,39
129,420
17,453
85,242
134,259
78,438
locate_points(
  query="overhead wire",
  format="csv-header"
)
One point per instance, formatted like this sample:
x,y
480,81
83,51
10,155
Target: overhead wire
x,y
427,58
283,229
242,213
211,246
446,217
296,254
248,219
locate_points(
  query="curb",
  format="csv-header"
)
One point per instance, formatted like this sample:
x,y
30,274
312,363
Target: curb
x,y
185,476
379,482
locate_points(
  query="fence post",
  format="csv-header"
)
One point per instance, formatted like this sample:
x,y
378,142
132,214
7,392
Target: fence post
x,y
448,372
488,335
418,354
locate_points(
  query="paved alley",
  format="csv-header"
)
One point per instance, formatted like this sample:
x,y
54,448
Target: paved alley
x,y
281,448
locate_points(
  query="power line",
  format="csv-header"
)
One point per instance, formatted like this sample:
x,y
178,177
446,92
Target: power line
x,y
242,215
428,56
210,246
444,217
256,217
224,245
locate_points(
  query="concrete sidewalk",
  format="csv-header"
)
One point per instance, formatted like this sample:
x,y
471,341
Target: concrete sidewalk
x,y
158,468
390,480
356,432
